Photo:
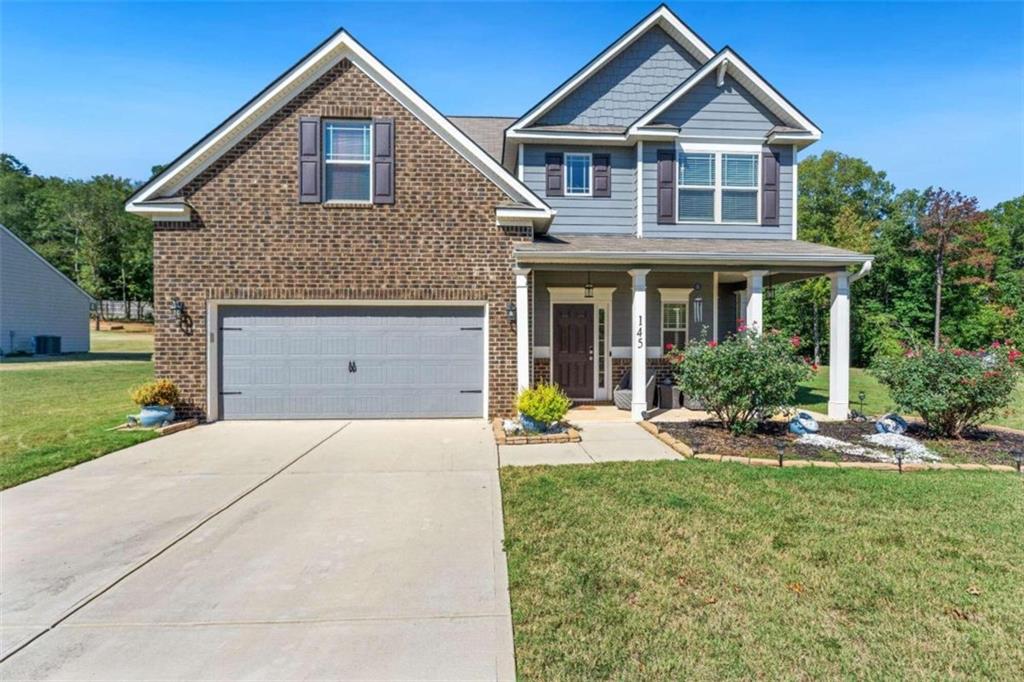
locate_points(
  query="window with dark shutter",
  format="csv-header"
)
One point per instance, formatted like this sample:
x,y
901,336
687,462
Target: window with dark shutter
x,y
602,175
553,175
383,160
769,187
666,186
309,159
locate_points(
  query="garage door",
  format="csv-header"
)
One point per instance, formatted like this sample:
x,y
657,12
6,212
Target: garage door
x,y
349,362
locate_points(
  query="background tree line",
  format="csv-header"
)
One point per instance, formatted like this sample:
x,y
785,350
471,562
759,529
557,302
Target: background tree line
x,y
81,227
926,242
944,270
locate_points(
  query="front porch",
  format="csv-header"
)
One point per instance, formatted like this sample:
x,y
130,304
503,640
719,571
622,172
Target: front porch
x,y
597,315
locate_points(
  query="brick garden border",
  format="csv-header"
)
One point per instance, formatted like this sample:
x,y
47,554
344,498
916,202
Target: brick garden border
x,y
570,435
686,451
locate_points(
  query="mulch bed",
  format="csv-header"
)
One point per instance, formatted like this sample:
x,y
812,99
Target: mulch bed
x,y
986,446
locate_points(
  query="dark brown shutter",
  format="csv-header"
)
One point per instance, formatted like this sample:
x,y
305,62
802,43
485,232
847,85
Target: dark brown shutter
x,y
666,186
553,175
309,160
602,175
383,160
769,187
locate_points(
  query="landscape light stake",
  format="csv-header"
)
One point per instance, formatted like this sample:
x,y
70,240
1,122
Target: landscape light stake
x,y
781,447
1018,457
860,398
899,461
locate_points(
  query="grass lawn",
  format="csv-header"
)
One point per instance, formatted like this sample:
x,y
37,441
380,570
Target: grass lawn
x,y
813,395
692,570
55,411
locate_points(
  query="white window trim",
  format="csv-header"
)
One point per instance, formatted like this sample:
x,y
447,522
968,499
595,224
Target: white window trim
x,y
673,296
719,152
590,174
349,162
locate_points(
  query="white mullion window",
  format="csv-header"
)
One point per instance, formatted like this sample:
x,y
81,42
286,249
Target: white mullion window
x,y
347,160
673,324
579,175
721,187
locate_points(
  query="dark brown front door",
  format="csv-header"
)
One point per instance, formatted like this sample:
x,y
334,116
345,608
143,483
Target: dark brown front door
x,y
572,355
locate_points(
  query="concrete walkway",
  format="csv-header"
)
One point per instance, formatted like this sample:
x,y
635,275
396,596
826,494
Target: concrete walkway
x,y
264,550
617,441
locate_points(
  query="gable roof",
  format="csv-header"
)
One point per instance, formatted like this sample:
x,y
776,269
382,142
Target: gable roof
x,y
340,45
663,17
486,131
45,262
747,77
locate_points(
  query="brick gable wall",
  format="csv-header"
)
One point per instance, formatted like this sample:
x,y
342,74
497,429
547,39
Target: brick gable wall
x,y
250,238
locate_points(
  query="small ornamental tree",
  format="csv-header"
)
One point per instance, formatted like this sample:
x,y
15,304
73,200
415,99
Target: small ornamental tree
x,y
743,380
953,390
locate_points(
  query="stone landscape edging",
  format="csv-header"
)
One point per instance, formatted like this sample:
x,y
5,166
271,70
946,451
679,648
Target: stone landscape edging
x,y
686,451
570,435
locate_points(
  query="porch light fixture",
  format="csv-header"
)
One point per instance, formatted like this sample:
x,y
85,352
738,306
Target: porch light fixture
x,y
177,309
588,288
510,313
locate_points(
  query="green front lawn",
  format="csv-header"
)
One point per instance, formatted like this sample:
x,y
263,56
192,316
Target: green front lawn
x,y
55,413
813,395
693,570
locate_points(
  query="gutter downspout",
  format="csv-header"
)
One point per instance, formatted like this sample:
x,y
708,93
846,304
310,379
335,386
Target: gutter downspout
x,y
864,269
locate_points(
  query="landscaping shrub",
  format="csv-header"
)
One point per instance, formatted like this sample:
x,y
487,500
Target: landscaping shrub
x,y
159,392
953,390
743,380
545,403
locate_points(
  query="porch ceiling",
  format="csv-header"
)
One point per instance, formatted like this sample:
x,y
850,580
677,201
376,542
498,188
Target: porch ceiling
x,y
628,250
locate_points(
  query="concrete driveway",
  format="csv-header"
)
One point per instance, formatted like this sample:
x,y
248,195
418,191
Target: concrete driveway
x,y
263,550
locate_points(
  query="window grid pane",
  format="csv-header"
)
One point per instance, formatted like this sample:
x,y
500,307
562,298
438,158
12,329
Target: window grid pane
x,y
739,205
347,182
697,204
600,347
739,170
697,170
676,338
349,141
577,172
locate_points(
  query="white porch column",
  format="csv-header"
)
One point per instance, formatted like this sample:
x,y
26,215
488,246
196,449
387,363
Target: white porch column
x,y
839,347
522,328
638,369
755,308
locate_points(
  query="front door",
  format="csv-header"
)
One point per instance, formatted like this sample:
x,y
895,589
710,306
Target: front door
x,y
572,356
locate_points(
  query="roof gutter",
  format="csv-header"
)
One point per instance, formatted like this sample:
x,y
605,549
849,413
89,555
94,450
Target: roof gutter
x,y
865,268
629,257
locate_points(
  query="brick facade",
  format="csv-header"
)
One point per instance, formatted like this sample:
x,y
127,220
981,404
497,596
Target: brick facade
x,y
250,238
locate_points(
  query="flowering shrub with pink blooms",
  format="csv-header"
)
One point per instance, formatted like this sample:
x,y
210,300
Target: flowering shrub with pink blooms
x,y
954,390
742,380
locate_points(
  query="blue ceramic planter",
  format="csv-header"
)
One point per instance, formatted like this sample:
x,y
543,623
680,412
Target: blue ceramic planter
x,y
156,415
531,424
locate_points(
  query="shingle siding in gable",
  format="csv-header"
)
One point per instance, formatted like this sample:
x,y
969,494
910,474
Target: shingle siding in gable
x,y
628,86
711,110
588,215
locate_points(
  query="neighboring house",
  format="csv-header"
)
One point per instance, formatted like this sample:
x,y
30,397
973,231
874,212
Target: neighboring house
x,y
36,299
341,249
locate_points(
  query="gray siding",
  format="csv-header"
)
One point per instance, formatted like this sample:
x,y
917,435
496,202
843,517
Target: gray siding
x,y
784,230
727,111
36,300
588,215
628,86
622,302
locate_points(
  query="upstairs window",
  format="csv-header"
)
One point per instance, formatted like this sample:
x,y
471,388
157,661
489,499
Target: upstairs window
x,y
347,156
579,174
718,187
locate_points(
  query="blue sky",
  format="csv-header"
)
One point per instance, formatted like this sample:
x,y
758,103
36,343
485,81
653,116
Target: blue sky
x,y
931,92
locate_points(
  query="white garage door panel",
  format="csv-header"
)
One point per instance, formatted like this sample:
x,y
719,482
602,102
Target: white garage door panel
x,y
282,362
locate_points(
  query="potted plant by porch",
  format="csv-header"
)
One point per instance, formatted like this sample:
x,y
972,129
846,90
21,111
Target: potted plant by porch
x,y
542,407
157,399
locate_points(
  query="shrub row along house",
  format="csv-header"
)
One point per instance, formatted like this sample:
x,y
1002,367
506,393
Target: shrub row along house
x,y
339,248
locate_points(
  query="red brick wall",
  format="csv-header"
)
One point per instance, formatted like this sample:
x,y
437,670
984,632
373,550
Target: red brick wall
x,y
251,239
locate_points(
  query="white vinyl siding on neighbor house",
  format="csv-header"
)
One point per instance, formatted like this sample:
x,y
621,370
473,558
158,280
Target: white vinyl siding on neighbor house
x,y
347,156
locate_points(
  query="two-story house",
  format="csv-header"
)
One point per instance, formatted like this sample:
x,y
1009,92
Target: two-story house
x,y
338,248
